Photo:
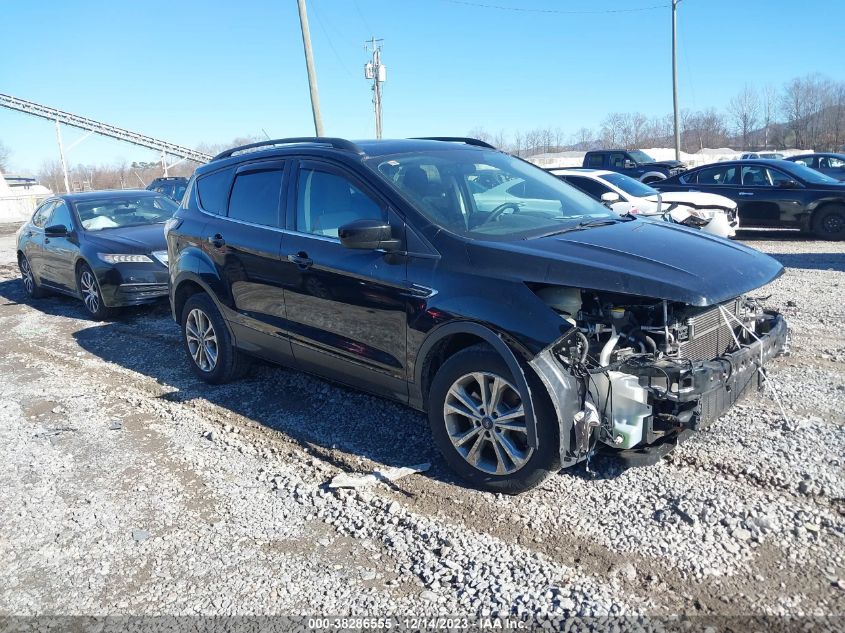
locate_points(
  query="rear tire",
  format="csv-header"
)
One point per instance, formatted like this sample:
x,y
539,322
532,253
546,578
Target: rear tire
x,y
211,351
89,289
473,411
33,290
829,222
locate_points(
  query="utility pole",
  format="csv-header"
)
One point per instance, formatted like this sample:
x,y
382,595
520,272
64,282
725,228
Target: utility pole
x,y
62,155
675,78
309,64
377,72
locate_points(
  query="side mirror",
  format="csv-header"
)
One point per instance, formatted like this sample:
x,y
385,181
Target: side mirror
x,y
788,184
610,197
56,230
368,235
629,164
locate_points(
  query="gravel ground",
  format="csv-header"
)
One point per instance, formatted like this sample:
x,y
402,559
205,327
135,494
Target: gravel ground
x,y
128,487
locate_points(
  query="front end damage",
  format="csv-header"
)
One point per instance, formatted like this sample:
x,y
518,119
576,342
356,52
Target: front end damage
x,y
639,375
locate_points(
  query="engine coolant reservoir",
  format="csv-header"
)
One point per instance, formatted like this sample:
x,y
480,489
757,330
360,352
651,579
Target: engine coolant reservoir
x,y
562,299
627,407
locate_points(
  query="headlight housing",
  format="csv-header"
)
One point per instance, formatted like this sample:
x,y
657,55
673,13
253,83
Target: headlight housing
x,y
160,256
111,258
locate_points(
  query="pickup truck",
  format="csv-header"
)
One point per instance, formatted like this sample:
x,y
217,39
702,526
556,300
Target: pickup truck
x,y
634,163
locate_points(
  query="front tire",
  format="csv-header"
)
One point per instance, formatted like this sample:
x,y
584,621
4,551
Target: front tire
x,y
33,290
211,351
829,222
477,420
89,290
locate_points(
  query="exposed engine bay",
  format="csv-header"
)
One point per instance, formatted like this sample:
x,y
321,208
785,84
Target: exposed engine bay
x,y
648,370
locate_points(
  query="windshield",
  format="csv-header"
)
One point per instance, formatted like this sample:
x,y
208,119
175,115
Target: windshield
x,y
487,194
629,185
809,175
640,156
109,213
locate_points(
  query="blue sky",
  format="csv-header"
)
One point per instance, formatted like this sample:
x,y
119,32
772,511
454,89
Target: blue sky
x,y
192,71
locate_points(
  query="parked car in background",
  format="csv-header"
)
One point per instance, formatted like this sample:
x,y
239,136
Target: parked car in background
x,y
772,194
104,247
382,265
709,212
830,164
634,163
171,186
767,155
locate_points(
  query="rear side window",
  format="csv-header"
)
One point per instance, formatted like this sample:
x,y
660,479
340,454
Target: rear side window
x,y
717,176
255,197
213,190
595,160
42,214
591,187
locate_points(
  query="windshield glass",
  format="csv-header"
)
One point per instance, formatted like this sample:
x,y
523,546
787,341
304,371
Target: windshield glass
x,y
109,213
629,185
809,175
640,156
487,194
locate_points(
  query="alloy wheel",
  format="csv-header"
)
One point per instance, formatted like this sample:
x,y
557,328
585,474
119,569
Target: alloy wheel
x,y
90,291
26,273
202,340
485,421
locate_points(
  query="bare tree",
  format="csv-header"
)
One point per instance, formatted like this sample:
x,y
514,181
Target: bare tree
x,y
744,110
500,139
768,108
611,130
4,157
584,139
481,134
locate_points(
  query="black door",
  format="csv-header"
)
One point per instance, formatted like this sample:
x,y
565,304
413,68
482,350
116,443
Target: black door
x,y
33,247
345,307
766,199
60,252
245,245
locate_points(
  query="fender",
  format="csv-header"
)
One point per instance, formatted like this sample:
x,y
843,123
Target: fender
x,y
653,174
497,343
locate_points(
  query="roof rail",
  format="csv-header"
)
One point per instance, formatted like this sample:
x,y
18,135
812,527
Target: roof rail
x,y
456,139
337,143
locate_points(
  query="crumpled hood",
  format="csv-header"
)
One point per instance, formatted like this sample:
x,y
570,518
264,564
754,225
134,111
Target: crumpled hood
x,y
695,199
130,239
647,258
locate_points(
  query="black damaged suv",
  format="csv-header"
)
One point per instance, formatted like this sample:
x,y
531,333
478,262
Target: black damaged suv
x,y
528,321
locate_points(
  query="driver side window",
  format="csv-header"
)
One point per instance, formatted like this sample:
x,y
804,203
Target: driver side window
x,y
326,201
61,215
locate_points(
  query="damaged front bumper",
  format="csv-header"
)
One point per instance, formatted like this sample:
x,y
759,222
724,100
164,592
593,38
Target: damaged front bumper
x,y
681,397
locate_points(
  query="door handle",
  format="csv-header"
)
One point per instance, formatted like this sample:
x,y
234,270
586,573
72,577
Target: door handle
x,y
217,241
301,259
746,193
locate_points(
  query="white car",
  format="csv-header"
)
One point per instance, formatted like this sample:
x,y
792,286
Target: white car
x,y
711,213
753,155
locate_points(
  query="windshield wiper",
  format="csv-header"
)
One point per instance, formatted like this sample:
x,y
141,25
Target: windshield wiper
x,y
583,225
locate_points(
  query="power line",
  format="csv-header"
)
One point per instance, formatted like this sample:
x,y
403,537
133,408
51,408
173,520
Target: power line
x,y
556,11
329,40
